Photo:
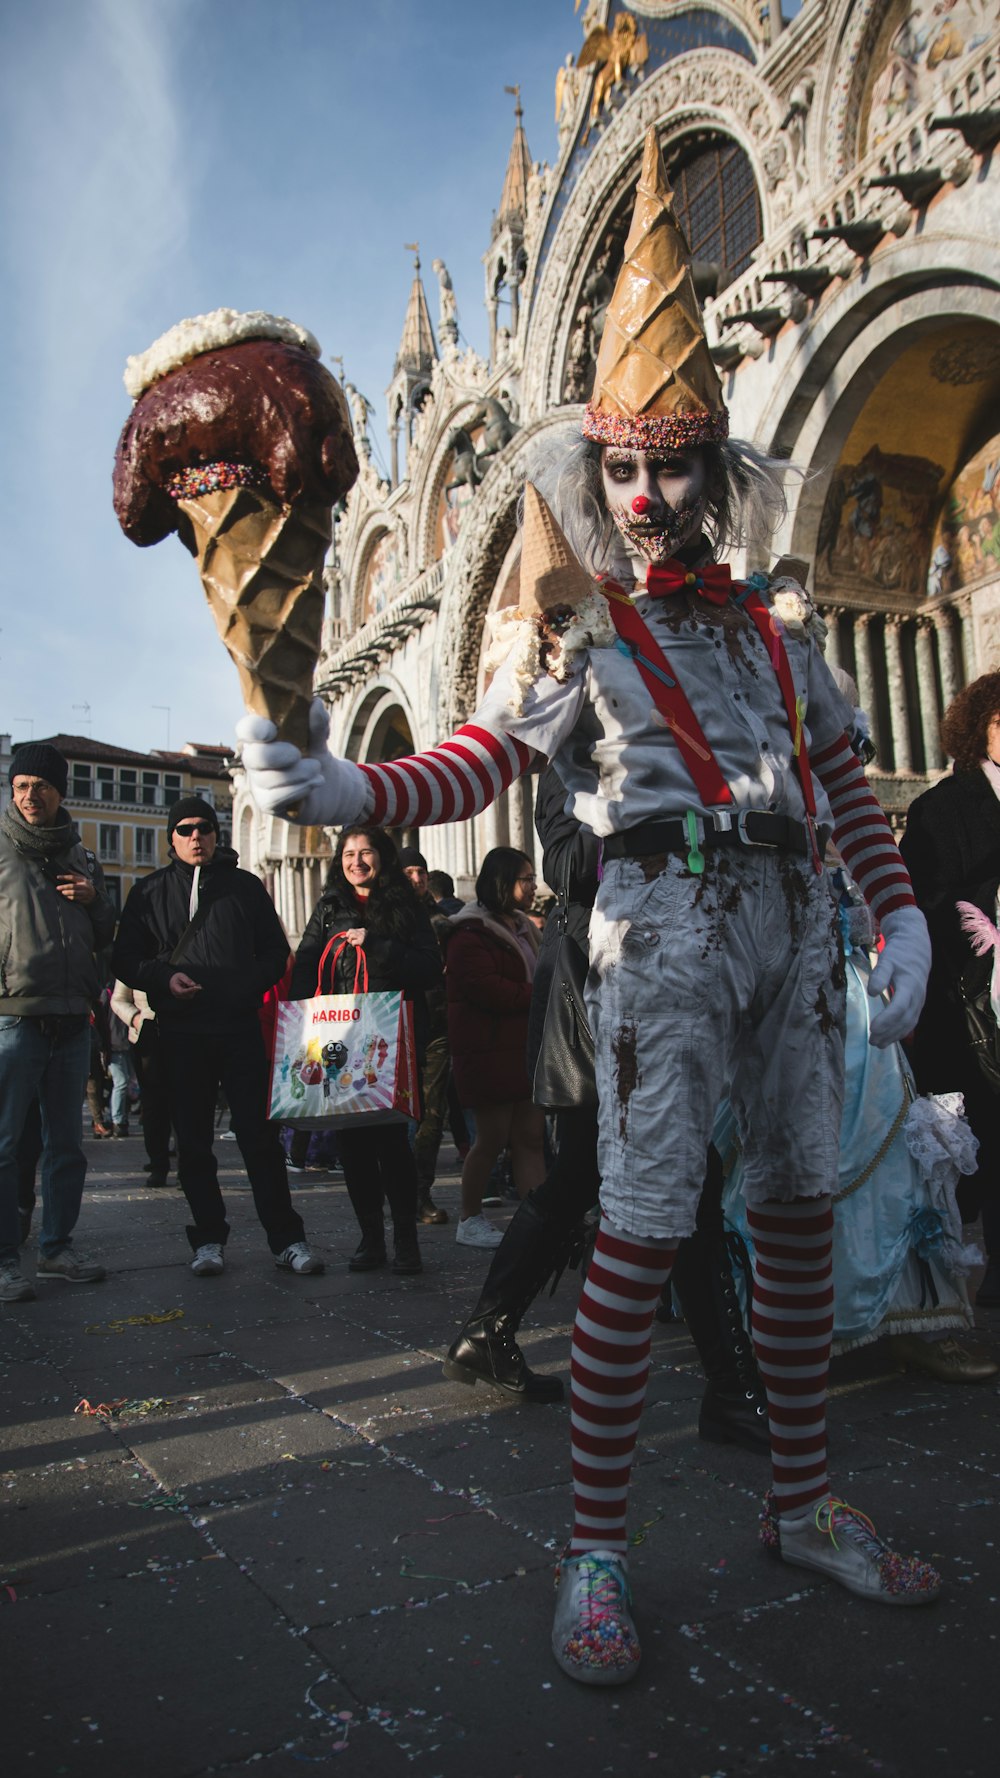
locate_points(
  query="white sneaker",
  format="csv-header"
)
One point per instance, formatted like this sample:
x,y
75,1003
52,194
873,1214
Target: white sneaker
x,y
477,1231
837,1540
208,1261
14,1286
593,1637
297,1258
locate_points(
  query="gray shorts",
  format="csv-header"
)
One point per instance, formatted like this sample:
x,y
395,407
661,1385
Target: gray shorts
x,y
731,982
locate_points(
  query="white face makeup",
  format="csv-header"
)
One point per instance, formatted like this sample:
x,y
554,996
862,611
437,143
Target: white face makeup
x,y
656,498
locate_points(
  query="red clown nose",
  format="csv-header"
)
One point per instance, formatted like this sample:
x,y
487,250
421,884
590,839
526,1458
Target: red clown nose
x,y
640,504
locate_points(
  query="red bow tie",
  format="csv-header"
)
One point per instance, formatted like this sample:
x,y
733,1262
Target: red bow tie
x,y
714,582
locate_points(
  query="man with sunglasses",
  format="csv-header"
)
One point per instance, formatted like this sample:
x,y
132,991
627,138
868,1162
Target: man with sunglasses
x,y
202,940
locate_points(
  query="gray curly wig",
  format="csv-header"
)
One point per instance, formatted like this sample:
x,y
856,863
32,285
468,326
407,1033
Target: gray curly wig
x,y
746,498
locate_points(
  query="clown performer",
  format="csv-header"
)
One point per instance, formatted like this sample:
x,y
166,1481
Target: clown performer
x,y
707,750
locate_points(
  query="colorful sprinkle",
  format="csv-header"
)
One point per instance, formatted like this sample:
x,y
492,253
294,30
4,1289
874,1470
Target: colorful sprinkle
x,y
213,478
654,432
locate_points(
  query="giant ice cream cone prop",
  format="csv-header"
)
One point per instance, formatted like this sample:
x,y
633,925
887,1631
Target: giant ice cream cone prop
x,y
261,566
240,442
656,386
550,574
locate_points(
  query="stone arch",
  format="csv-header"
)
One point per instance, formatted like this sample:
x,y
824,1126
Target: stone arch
x,y
855,341
381,727
705,89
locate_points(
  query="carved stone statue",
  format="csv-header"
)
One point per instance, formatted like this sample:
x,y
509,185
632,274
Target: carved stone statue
x,y
447,312
360,409
579,373
498,428
794,123
598,290
465,471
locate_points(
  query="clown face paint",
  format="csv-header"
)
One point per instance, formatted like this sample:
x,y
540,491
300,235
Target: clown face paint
x,y
669,490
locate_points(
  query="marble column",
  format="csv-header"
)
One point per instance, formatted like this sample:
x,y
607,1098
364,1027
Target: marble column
x,y
832,616
514,799
902,752
967,640
933,756
866,678
946,622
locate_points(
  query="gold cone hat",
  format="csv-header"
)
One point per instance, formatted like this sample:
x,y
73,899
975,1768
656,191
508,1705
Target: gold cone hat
x,y
656,386
550,573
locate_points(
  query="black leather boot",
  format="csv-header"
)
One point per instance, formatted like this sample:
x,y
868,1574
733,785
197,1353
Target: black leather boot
x,y
370,1253
406,1250
486,1350
734,1405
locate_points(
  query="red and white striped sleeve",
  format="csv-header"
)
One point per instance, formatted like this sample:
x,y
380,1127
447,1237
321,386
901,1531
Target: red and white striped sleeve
x,y
861,831
450,782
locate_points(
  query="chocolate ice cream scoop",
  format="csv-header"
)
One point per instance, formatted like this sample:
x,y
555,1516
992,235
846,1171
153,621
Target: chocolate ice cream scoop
x,y
263,403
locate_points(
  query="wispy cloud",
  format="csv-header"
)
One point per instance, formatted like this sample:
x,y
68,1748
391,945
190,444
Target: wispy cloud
x,y
100,201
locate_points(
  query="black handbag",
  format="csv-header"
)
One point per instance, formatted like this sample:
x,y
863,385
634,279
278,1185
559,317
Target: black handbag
x,y
564,1071
982,1030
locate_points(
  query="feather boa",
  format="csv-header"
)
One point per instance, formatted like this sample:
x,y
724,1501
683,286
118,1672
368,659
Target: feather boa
x,y
984,938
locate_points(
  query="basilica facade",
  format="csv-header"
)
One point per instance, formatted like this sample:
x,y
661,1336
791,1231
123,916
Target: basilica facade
x,y
838,179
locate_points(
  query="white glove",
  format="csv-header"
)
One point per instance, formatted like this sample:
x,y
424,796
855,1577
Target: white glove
x,y
903,966
321,789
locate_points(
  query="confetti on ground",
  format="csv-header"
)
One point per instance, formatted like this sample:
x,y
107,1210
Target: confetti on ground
x,y
157,1503
101,1327
124,1408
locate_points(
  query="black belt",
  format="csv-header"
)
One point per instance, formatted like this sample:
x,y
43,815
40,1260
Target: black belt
x,y
748,828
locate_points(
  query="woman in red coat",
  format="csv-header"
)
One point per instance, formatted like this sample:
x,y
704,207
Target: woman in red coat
x,y
491,962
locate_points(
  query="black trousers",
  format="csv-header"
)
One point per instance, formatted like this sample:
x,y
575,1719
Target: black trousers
x,y
378,1163
197,1064
154,1098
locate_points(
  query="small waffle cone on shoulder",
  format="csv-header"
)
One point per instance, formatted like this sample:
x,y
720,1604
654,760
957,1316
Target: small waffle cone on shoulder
x,y
656,385
261,566
550,573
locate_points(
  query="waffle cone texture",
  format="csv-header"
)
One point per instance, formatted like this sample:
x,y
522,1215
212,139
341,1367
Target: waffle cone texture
x,y
550,574
656,386
261,566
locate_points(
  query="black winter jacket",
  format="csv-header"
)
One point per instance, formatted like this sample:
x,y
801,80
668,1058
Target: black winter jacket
x,y
569,862
237,954
951,849
401,948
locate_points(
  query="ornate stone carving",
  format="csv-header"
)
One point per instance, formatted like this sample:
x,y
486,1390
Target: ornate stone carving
x,y
709,85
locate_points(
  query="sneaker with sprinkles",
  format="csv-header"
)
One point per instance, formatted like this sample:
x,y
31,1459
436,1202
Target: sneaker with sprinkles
x,y
837,1540
593,1637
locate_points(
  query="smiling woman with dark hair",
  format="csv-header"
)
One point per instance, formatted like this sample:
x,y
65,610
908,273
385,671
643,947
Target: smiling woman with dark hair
x,y
369,900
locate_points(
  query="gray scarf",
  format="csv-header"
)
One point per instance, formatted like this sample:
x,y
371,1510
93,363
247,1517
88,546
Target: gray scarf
x,y
40,843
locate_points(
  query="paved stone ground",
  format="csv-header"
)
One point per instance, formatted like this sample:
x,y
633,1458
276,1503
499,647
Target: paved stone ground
x,y
304,1548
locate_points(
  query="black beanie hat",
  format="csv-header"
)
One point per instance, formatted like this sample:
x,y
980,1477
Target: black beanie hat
x,y
37,759
409,856
188,807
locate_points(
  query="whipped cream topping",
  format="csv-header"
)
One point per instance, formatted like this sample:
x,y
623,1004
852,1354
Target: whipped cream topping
x,y
206,333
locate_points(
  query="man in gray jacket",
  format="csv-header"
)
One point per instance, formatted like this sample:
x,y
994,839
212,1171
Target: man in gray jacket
x,y
54,918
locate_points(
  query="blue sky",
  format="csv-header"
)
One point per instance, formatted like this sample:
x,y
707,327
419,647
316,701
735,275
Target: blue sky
x,y
160,158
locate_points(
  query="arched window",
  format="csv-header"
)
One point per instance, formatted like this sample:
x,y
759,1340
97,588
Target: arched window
x,y
717,203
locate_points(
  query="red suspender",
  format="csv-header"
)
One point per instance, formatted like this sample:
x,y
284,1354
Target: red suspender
x,y
754,605
635,639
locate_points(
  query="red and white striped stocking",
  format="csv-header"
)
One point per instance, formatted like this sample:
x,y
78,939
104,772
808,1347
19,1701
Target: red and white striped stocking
x,y
792,1326
610,1366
